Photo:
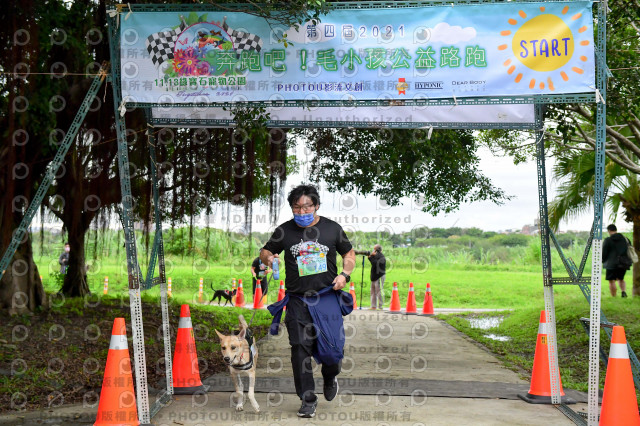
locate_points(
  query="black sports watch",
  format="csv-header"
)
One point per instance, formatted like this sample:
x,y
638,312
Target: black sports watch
x,y
346,276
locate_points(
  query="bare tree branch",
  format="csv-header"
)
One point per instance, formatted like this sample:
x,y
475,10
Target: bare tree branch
x,y
614,135
623,140
634,125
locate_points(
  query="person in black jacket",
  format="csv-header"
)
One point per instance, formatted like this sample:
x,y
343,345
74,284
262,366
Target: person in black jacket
x,y
378,274
613,247
63,260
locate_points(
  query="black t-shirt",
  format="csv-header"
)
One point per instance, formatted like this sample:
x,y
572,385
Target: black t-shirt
x,y
310,253
260,269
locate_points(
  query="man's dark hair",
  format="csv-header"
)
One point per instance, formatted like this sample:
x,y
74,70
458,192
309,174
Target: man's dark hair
x,y
301,190
66,244
612,227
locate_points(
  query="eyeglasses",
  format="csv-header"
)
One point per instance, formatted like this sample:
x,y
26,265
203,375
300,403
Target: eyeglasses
x,y
306,208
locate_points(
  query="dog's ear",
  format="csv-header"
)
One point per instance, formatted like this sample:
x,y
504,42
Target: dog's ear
x,y
242,333
220,335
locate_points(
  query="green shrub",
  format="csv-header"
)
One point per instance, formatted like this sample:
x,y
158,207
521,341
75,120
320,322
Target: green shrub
x,y
511,240
565,240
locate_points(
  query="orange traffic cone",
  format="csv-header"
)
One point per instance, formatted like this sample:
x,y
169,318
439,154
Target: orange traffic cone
x,y
257,298
540,390
264,302
352,292
412,309
395,300
427,308
240,295
281,291
117,401
186,374
619,404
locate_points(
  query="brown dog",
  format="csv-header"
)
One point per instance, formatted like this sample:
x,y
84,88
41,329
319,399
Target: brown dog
x,y
241,355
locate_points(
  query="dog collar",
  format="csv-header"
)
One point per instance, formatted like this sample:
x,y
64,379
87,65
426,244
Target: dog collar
x,y
247,365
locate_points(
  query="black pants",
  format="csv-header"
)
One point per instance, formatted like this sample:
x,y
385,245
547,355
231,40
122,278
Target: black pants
x,y
264,285
302,338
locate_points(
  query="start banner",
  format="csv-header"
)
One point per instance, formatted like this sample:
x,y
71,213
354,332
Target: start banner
x,y
390,53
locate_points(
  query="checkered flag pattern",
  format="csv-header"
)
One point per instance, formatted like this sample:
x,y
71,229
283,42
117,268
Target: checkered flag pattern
x,y
243,41
161,44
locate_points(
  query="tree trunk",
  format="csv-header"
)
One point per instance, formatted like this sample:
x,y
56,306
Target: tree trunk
x,y
75,281
77,223
636,266
21,288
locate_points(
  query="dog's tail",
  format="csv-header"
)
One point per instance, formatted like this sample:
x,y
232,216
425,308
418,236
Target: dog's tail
x,y
243,323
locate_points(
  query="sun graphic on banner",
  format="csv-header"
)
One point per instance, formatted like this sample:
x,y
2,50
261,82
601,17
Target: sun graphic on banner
x,y
544,44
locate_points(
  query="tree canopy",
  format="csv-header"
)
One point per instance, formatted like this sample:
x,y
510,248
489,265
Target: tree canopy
x,y
442,171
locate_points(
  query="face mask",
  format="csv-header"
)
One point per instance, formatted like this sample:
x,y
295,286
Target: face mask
x,y
67,249
303,219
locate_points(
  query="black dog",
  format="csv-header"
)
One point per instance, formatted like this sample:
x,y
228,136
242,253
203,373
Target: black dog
x,y
219,294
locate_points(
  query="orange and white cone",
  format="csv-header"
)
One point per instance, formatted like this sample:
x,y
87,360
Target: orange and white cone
x,y
281,291
240,295
412,309
619,403
352,292
117,400
394,308
105,290
540,389
427,308
186,373
257,298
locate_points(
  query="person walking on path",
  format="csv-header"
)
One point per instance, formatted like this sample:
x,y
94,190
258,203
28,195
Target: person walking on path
x,y
314,300
614,249
63,260
378,274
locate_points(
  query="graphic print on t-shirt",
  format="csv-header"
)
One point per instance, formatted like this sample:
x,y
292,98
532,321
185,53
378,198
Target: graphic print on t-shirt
x,y
311,257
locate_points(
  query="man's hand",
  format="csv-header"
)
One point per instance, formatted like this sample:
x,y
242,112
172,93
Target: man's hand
x,y
339,282
270,259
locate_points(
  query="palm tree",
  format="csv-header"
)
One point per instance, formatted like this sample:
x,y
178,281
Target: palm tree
x,y
576,170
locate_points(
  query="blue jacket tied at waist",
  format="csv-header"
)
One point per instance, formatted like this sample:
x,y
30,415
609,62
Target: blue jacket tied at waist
x,y
326,307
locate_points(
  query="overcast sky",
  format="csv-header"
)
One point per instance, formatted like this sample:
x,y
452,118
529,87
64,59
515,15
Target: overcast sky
x,y
366,213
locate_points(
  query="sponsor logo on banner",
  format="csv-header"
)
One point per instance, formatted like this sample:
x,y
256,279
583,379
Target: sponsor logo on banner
x,y
429,85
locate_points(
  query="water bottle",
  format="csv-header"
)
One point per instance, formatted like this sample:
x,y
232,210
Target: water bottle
x,y
276,269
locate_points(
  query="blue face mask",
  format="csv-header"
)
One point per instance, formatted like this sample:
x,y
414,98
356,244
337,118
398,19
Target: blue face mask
x,y
303,219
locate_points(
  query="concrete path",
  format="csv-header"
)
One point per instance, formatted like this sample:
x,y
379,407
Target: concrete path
x,y
397,369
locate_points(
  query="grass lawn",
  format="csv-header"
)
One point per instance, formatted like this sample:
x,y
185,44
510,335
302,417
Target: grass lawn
x,y
452,286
